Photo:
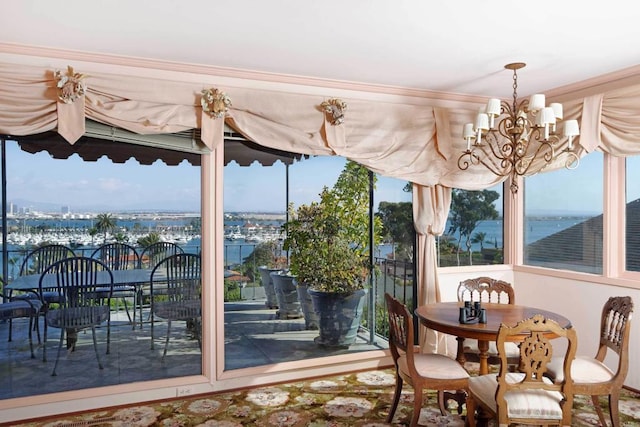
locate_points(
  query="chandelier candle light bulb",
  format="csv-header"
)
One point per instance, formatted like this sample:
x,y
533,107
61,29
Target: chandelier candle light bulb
x,y
520,139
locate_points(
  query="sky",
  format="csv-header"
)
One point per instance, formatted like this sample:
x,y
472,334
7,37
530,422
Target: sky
x,y
37,179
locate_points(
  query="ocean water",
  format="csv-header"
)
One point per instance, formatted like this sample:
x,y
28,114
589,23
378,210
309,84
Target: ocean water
x,y
235,251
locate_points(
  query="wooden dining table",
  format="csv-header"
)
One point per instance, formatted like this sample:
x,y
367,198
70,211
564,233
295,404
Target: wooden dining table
x,y
444,317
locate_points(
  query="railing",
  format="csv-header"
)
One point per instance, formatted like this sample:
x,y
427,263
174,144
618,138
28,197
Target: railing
x,y
392,276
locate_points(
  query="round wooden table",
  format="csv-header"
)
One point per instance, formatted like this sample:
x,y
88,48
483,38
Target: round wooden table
x,y
443,317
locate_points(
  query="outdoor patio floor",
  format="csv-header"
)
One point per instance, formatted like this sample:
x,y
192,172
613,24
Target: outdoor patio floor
x,y
254,336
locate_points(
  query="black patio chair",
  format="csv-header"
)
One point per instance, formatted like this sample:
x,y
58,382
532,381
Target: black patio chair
x,y
85,301
18,309
149,258
37,261
120,256
178,298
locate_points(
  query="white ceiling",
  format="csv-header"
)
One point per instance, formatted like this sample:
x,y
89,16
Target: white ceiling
x,y
455,46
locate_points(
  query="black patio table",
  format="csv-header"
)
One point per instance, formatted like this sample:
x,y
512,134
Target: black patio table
x,y
135,277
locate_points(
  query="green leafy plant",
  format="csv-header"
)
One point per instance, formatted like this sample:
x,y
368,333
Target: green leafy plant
x,y
328,241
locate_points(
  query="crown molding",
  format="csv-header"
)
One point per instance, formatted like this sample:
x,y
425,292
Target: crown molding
x,y
442,98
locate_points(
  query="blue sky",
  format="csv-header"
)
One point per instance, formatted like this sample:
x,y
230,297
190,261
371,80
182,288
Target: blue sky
x,y
105,186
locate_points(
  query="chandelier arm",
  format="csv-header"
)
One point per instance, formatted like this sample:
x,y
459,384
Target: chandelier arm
x,y
497,168
524,162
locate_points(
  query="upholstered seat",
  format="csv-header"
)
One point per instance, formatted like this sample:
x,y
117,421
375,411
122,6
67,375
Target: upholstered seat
x,y
527,397
590,375
420,371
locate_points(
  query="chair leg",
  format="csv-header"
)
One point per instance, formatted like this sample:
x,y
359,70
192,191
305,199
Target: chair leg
x,y
166,342
33,356
596,405
44,342
11,329
396,399
151,327
470,419
109,335
614,412
55,366
95,346
418,399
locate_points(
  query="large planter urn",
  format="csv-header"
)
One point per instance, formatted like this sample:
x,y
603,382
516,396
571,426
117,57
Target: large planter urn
x,y
339,316
267,283
287,295
311,318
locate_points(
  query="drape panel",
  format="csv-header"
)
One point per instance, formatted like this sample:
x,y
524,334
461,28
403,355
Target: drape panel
x,y
430,212
416,143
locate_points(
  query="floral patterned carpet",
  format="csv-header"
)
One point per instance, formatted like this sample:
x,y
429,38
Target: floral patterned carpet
x,y
357,399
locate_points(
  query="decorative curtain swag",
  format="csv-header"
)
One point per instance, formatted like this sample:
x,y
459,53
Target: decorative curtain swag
x,y
215,105
334,109
71,100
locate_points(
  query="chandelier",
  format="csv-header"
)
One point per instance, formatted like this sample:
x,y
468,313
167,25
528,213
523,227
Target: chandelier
x,y
511,139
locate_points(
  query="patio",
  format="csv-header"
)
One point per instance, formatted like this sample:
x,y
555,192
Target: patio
x,y
254,337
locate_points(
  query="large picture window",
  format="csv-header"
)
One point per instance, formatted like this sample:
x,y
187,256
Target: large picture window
x,y
475,229
97,209
632,211
563,217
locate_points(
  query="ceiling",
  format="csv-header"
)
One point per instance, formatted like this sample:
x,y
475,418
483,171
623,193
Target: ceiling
x,y
454,46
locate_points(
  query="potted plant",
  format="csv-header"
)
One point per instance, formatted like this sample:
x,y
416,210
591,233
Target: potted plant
x,y
271,259
328,244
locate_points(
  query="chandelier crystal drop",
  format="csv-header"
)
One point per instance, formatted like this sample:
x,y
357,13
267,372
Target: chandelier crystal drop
x,y
510,139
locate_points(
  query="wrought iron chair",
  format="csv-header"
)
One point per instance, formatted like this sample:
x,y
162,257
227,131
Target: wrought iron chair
x,y
156,252
487,290
178,298
420,371
18,309
527,397
590,375
83,302
121,256
36,262
149,258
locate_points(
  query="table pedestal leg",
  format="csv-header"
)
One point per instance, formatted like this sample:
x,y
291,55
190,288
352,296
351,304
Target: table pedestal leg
x,y
483,347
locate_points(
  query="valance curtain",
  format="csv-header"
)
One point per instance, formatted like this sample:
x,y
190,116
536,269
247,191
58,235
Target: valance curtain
x,y
416,143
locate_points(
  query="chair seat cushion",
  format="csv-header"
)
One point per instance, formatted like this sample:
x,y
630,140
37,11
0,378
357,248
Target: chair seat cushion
x,y
512,349
19,308
78,317
540,404
584,370
436,366
182,310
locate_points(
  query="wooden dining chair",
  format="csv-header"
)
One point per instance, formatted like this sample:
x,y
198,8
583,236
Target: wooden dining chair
x,y
421,371
590,375
526,397
487,290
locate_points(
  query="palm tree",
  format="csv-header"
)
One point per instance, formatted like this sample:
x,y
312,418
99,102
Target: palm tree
x,y
479,237
149,239
104,223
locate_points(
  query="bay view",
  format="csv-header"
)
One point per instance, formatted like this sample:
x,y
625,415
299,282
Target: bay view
x,y
243,230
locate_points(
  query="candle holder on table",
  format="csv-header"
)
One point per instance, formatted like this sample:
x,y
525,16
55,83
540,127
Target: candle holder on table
x,y
472,313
